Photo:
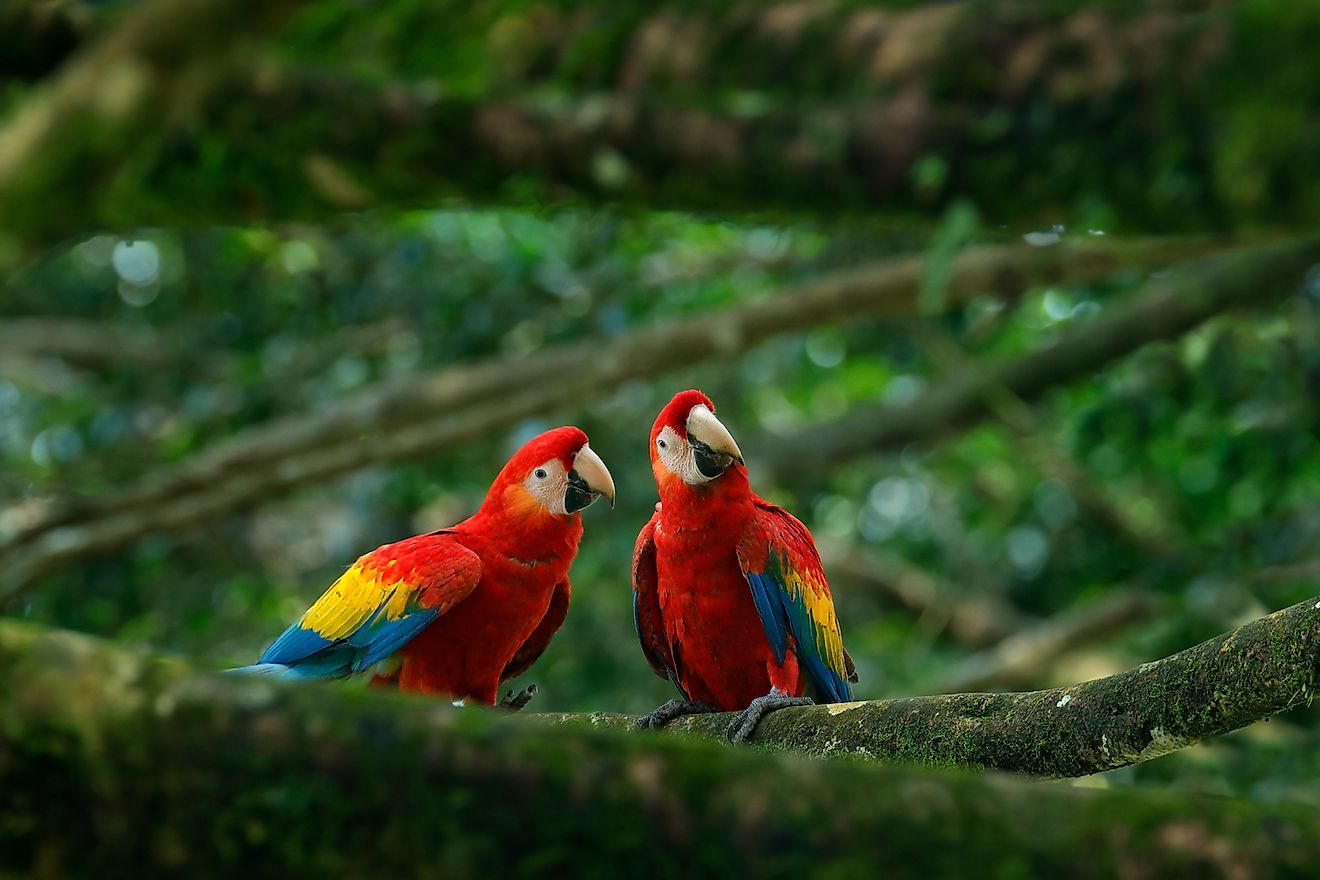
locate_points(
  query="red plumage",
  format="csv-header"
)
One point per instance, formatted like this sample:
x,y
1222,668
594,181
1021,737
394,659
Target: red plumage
x,y
464,608
525,557
696,612
710,632
466,651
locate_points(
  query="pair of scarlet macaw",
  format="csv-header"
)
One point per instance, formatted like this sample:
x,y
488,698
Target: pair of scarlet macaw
x,y
729,598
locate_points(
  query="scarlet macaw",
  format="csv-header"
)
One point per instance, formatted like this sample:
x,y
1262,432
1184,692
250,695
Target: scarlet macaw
x,y
729,597
462,609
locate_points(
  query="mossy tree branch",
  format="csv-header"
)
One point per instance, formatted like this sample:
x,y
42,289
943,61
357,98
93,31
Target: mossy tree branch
x,y
1259,669
99,775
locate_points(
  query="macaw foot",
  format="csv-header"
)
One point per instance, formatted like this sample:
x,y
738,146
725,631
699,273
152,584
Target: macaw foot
x,y
744,725
671,710
513,702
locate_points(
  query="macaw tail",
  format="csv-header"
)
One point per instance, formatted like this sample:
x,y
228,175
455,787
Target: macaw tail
x,y
313,667
274,670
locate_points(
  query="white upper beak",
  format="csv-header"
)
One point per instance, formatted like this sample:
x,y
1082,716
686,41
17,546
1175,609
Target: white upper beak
x,y
592,470
702,425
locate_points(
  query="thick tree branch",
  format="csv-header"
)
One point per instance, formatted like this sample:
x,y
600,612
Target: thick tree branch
x,y
1166,309
436,410
1257,670
100,775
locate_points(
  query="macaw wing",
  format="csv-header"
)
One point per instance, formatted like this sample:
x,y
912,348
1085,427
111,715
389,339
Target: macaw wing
x,y
539,640
646,607
375,607
792,597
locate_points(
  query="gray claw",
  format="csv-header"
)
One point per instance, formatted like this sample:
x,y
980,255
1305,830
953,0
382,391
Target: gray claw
x,y
671,710
745,724
513,702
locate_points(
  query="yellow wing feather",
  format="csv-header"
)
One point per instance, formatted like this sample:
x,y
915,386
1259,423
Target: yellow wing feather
x,y
353,599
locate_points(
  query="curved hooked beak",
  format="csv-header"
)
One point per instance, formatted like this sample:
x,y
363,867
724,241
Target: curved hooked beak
x,y
588,480
713,446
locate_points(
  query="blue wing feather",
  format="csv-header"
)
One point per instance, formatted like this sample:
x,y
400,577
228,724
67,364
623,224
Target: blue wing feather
x,y
293,645
356,639
336,662
792,599
827,680
766,595
381,638
308,655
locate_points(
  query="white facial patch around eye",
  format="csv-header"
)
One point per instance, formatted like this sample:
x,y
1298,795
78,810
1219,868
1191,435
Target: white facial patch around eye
x,y
548,484
676,454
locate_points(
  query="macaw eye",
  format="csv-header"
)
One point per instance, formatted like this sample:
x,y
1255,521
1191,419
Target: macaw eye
x,y
540,473
662,444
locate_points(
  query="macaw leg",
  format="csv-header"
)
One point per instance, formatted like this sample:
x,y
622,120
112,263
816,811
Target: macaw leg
x,y
671,710
513,702
745,724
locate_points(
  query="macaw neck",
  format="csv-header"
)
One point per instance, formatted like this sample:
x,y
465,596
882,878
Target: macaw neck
x,y
727,498
527,535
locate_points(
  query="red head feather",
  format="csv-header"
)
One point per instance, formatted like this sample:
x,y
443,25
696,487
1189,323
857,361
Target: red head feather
x,y
508,502
561,443
717,504
675,413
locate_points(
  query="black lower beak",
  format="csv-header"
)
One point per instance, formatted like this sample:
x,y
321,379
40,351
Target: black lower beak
x,y
579,494
709,462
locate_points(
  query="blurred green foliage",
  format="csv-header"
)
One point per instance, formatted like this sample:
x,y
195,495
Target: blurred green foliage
x,y
1208,446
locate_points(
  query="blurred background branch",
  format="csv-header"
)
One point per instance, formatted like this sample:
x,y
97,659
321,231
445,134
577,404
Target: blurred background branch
x,y
1022,657
1167,309
973,619
428,413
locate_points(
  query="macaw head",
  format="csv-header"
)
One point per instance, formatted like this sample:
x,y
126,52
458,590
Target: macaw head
x,y
554,473
688,443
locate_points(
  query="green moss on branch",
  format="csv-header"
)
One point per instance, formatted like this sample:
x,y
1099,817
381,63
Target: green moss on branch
x,y
115,764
